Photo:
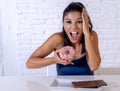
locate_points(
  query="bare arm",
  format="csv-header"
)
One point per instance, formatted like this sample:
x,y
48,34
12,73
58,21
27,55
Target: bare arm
x,y
91,44
37,59
92,51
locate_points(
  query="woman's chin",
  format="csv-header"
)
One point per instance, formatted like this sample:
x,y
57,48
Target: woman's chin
x,y
74,41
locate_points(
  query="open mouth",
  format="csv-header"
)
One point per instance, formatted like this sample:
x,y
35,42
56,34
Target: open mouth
x,y
74,34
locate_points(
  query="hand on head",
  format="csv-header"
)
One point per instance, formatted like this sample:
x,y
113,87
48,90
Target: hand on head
x,y
85,22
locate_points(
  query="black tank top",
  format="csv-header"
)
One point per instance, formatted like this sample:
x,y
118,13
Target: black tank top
x,y
80,67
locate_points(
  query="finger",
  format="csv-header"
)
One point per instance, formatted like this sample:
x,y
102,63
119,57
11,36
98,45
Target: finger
x,y
84,12
70,62
85,21
85,15
63,62
57,51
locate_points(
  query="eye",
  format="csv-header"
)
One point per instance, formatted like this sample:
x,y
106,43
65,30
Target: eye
x,y
80,21
69,22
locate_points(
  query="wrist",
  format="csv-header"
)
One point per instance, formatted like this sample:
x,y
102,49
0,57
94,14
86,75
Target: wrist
x,y
87,35
87,32
54,60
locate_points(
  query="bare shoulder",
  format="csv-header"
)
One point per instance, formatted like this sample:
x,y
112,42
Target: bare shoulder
x,y
94,35
57,35
56,39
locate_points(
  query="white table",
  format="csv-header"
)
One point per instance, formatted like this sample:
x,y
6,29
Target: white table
x,y
43,83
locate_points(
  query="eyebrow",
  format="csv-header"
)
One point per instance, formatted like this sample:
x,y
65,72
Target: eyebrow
x,y
77,19
67,19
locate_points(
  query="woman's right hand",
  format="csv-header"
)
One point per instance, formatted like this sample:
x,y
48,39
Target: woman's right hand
x,y
61,61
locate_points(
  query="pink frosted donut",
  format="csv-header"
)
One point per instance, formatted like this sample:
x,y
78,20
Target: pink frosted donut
x,y
67,52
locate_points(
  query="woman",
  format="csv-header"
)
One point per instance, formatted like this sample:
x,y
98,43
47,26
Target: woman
x,y
77,32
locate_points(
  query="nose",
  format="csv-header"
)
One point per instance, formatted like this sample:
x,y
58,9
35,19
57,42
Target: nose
x,y
74,25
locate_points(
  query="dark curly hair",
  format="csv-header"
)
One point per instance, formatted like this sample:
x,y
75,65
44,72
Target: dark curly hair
x,y
75,6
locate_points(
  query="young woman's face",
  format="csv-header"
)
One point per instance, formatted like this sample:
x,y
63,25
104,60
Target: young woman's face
x,y
73,26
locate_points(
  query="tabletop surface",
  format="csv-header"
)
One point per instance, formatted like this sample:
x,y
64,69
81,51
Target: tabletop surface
x,y
45,83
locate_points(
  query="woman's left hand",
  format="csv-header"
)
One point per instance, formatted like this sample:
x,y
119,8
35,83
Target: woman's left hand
x,y
86,29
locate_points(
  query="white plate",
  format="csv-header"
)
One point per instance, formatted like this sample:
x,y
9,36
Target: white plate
x,y
66,85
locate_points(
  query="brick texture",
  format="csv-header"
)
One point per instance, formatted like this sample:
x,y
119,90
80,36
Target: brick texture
x,y
38,19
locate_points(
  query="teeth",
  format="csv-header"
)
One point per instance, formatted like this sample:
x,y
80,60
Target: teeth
x,y
73,32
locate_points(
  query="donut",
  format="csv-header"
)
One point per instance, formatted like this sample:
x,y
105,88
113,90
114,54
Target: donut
x,y
67,52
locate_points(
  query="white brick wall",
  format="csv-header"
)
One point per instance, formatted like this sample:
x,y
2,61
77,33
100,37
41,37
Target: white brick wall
x,y
36,20
0,45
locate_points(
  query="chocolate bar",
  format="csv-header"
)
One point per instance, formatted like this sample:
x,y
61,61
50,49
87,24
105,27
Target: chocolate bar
x,y
89,84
